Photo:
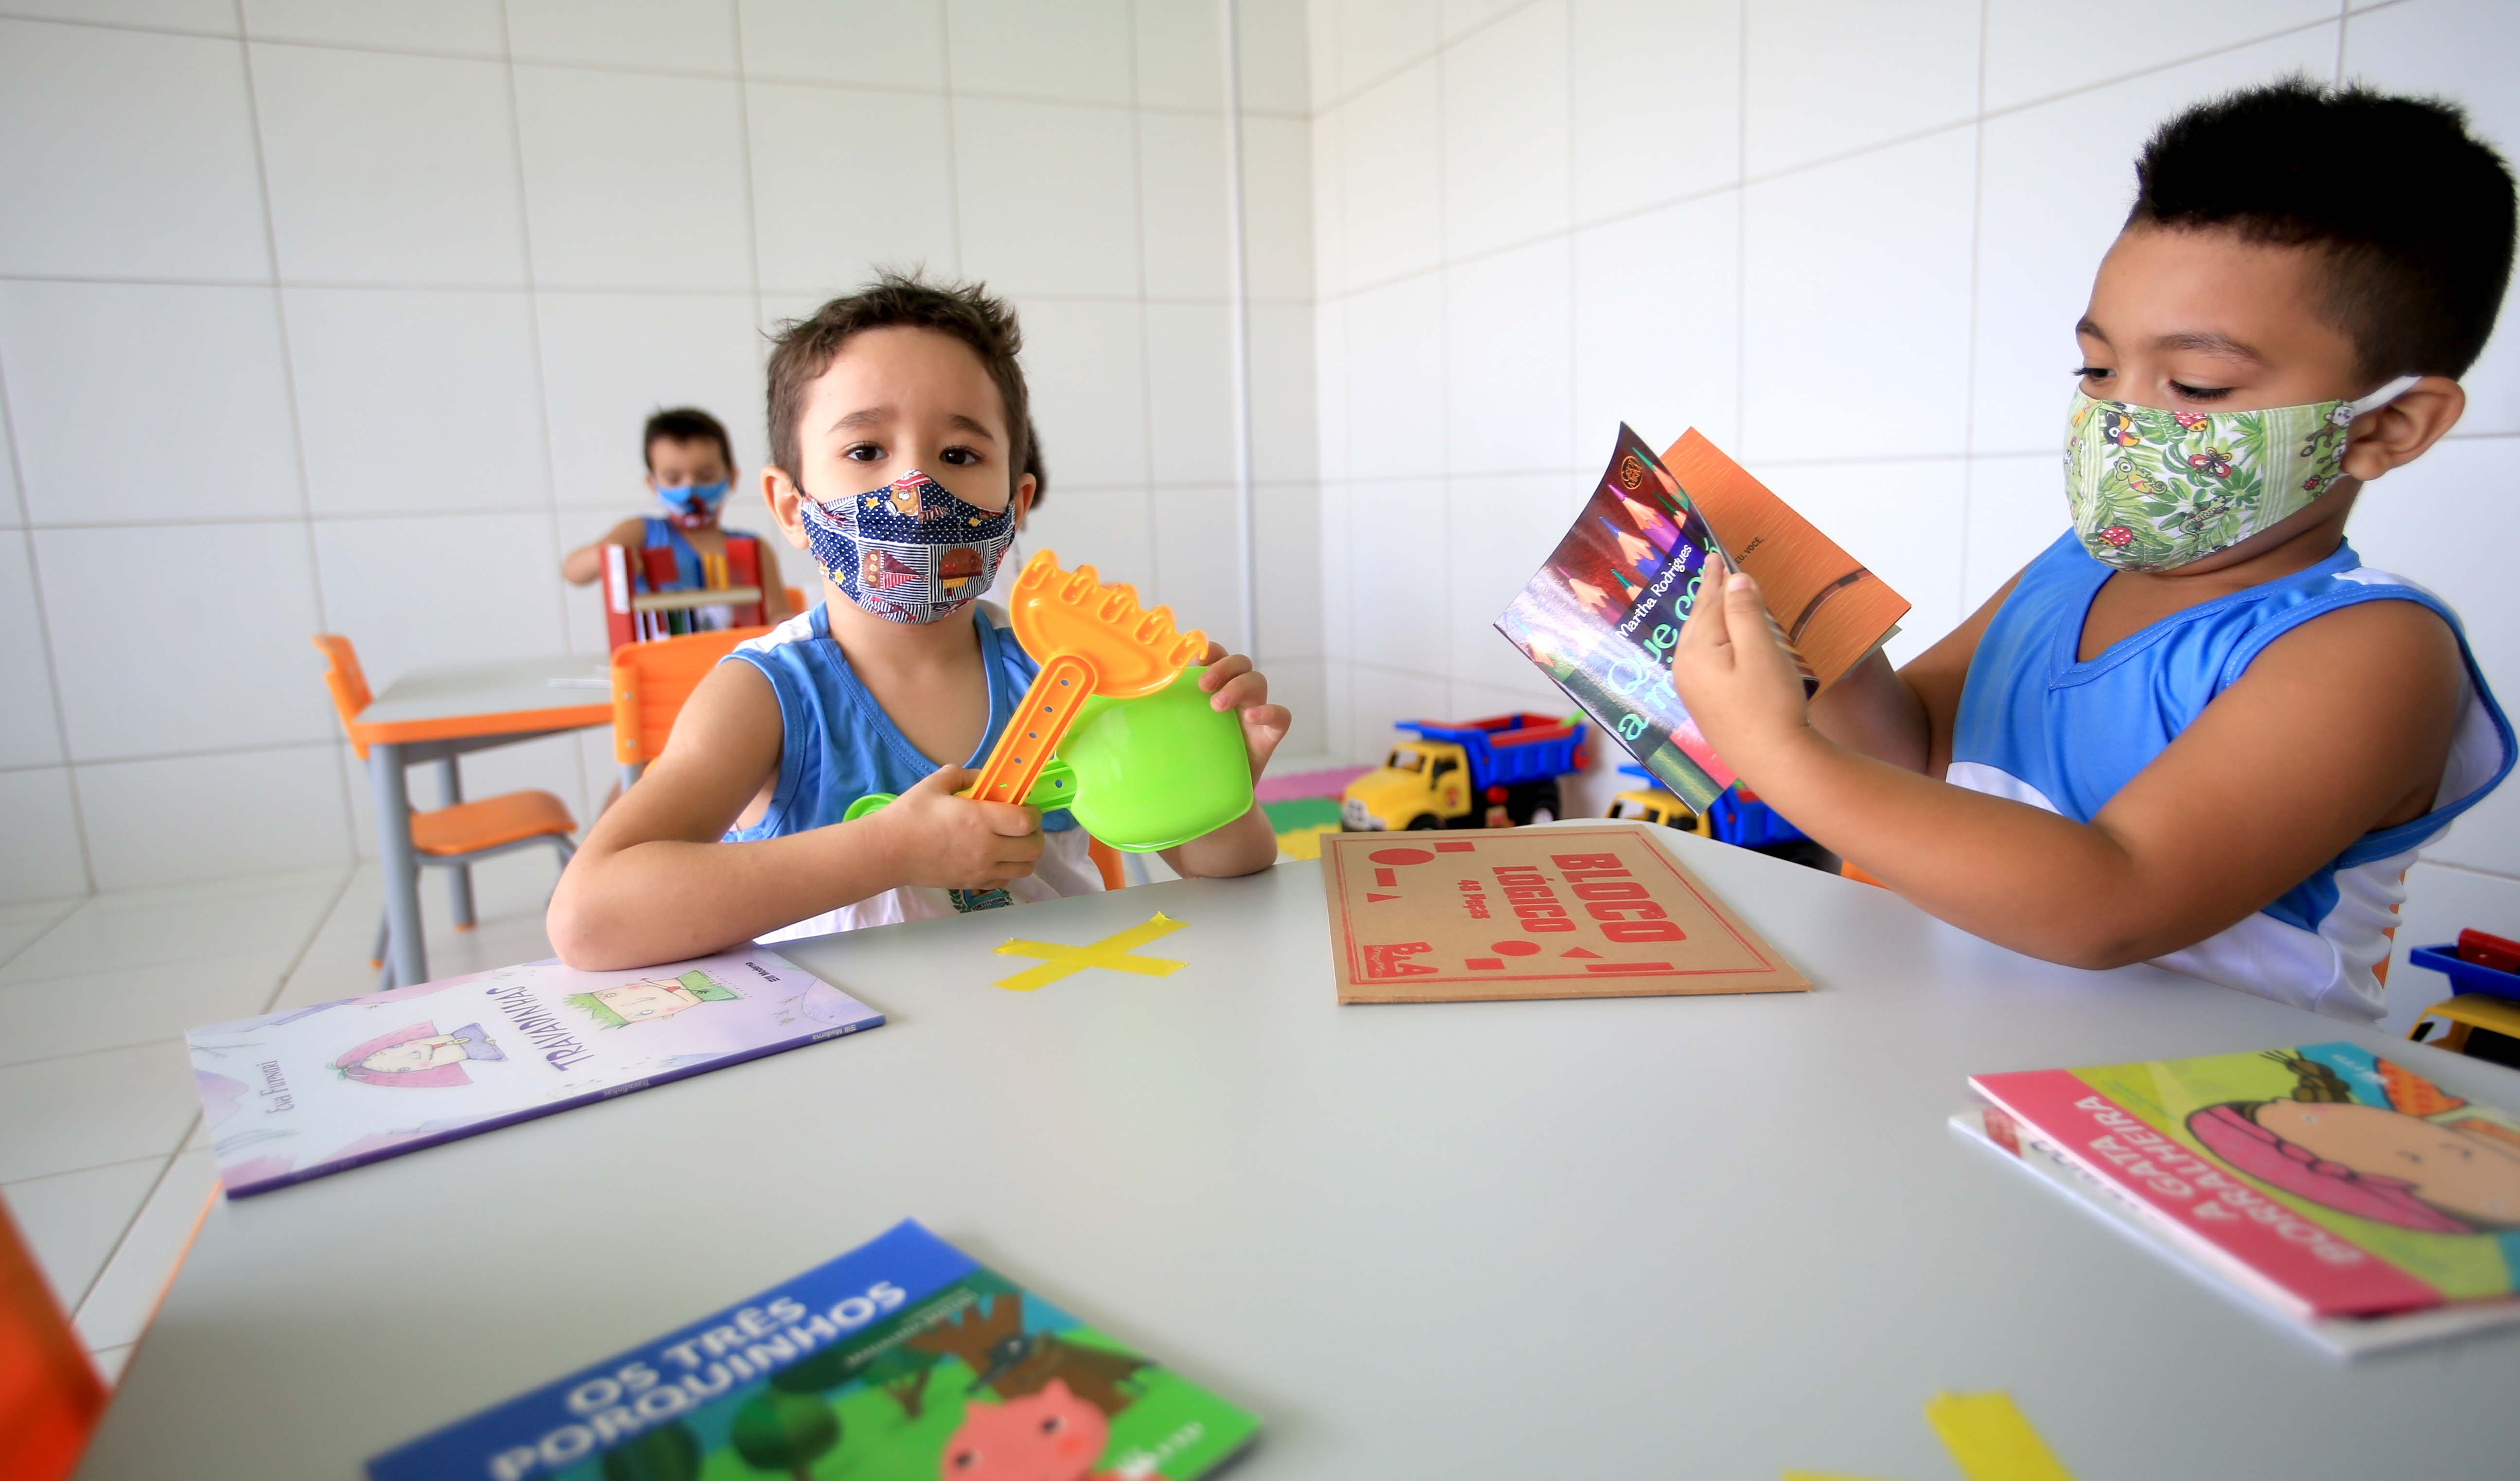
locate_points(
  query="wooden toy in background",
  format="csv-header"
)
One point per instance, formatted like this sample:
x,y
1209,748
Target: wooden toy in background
x,y
2484,971
644,598
1500,772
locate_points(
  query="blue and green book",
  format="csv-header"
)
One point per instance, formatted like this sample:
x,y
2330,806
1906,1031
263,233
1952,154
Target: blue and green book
x,y
904,1358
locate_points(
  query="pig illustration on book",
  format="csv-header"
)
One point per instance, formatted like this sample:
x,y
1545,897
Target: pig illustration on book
x,y
1051,1435
417,1058
1016,1362
626,1003
2423,1160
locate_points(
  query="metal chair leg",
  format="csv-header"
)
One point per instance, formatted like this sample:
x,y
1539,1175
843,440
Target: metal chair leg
x,y
377,953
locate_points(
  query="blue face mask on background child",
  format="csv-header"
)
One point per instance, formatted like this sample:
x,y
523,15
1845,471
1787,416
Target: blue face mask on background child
x,y
908,552
693,506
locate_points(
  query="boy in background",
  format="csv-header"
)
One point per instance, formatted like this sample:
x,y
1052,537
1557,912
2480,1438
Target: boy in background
x,y
2196,729
900,446
690,465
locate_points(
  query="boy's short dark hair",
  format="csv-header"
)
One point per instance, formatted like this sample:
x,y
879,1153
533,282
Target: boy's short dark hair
x,y
2413,213
803,349
685,424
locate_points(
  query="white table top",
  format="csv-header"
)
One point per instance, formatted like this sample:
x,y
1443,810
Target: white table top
x,y
492,689
1720,1236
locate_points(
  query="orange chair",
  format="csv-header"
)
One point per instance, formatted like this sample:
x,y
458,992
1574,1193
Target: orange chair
x,y
50,1394
795,599
458,836
651,681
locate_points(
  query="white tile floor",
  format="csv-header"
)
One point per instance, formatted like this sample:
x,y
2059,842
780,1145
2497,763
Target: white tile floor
x,y
101,1158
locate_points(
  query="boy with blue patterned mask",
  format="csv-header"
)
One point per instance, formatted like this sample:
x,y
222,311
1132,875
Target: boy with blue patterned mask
x,y
2196,729
690,467
903,461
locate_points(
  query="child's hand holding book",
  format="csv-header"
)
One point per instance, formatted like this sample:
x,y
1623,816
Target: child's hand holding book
x,y
1738,682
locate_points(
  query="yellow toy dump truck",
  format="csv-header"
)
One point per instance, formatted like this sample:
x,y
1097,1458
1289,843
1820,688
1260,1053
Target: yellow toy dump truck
x,y
1500,772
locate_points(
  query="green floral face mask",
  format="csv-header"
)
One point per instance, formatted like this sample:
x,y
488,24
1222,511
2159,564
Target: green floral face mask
x,y
2153,490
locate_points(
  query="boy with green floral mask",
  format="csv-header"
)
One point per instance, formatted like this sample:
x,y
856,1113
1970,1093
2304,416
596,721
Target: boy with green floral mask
x,y
2196,729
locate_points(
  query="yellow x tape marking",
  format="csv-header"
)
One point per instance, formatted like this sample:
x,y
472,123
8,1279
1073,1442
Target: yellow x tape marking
x,y
1988,1438
1112,953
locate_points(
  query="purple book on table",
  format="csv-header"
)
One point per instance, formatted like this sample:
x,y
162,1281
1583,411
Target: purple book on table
x,y
294,1095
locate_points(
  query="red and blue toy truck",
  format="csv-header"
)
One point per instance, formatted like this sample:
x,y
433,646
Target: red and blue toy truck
x,y
1500,772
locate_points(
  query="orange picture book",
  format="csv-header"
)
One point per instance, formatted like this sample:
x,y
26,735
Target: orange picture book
x,y
1831,608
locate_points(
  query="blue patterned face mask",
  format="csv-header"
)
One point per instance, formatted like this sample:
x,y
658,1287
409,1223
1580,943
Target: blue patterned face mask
x,y
908,552
693,506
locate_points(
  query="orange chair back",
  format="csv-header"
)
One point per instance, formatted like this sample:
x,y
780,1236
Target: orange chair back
x,y
349,684
651,680
50,1396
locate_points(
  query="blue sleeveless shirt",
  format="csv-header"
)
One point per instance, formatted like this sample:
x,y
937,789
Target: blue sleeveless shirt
x,y
2041,726
836,745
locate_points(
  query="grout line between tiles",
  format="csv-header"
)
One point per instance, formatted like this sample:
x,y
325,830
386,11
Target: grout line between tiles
x,y
1978,236
130,1225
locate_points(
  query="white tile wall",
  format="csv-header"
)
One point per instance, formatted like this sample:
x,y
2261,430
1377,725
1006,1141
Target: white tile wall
x,y
822,217
679,35
243,679
1186,201
894,43
1507,339
349,323
1681,133
1823,307
1048,197
470,26
1505,111
446,210
609,359
29,728
396,433
1848,242
204,435
634,180
1822,78
164,119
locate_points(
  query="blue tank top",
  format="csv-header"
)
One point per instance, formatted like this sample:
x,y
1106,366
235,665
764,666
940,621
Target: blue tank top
x,y
2041,726
836,745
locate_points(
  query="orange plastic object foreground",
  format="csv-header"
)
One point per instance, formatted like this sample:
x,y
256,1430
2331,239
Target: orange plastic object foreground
x,y
49,1397
1090,639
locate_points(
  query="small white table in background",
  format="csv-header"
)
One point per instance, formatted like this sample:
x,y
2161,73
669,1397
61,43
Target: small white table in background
x,y
1651,1236
438,714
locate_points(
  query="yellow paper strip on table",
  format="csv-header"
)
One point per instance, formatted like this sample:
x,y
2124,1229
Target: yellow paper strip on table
x,y
1989,1439
1111,954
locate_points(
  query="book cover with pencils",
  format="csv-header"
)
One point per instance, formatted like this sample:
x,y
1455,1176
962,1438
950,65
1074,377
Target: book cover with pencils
x,y
904,1359
1602,614
292,1095
2338,1188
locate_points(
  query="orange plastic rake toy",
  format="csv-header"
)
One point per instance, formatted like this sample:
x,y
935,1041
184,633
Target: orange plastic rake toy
x,y
1091,638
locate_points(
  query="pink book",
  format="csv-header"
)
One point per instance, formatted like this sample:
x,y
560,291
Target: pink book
x,y
2334,1186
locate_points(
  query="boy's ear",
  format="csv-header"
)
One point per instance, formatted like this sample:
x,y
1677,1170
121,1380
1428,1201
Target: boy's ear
x,y
780,492
2400,433
1024,487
